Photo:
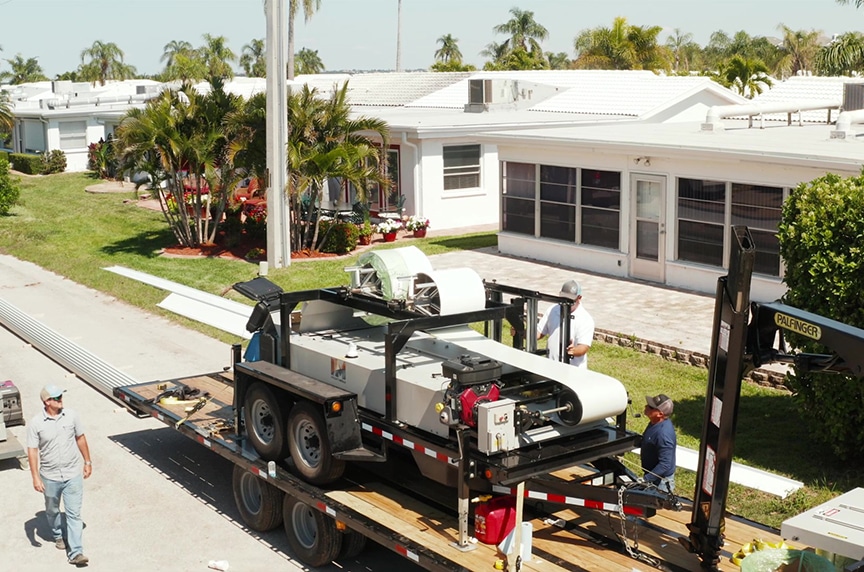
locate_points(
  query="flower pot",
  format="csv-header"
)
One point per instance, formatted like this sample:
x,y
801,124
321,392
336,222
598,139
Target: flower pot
x,y
364,239
420,233
389,236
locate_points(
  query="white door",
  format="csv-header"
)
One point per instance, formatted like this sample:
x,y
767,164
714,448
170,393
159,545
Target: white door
x,y
648,227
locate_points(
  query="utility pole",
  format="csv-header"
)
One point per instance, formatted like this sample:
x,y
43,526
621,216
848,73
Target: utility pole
x,y
399,35
278,219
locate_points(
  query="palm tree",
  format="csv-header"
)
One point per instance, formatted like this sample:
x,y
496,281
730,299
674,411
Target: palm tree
x,y
559,61
842,56
681,46
523,30
621,47
858,3
309,8
23,71
745,75
308,62
800,49
253,59
217,55
449,50
7,121
106,62
326,142
174,48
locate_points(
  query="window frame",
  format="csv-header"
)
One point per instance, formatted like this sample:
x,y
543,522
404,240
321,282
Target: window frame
x,y
455,172
76,136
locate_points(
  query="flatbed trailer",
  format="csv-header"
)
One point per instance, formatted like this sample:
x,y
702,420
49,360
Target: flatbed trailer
x,y
422,529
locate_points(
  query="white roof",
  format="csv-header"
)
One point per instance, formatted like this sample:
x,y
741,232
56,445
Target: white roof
x,y
803,89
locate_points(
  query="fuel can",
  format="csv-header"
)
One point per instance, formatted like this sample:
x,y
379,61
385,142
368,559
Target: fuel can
x,y
494,519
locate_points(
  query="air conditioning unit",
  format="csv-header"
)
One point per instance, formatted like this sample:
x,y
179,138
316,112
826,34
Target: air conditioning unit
x,y
480,91
853,96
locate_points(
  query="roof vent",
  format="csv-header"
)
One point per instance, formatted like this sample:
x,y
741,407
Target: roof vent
x,y
853,96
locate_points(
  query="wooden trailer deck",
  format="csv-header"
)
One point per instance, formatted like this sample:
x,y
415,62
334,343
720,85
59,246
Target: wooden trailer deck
x,y
571,539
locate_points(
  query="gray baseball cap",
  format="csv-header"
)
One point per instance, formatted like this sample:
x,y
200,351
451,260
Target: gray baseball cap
x,y
571,289
662,403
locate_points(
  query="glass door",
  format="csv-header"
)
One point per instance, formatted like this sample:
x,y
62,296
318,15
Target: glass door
x,y
648,227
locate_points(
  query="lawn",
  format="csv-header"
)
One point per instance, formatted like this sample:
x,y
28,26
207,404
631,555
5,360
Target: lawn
x,y
75,234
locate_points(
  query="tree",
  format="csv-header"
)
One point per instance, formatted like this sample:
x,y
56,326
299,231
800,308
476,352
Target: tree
x,y
217,56
174,48
325,142
449,50
821,236
309,8
9,192
843,56
747,76
308,62
559,61
106,62
799,51
683,49
23,71
7,120
858,3
523,30
621,47
252,60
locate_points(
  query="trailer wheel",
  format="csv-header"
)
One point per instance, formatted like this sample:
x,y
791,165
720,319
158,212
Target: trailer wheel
x,y
309,446
353,544
312,535
259,503
264,422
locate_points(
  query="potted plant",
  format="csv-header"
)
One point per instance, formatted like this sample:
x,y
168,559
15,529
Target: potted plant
x,y
364,233
388,228
417,225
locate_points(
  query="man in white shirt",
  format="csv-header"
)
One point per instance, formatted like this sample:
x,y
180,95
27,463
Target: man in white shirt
x,y
581,327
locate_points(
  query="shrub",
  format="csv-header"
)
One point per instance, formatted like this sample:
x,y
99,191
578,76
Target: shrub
x,y
339,237
821,237
53,161
27,163
8,189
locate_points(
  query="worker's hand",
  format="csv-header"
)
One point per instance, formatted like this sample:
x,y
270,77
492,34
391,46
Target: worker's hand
x,y
38,485
88,470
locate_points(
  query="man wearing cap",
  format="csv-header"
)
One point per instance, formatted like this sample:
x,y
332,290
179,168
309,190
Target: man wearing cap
x,y
581,327
59,462
659,443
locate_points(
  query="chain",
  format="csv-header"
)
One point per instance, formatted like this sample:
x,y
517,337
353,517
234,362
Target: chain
x,y
632,550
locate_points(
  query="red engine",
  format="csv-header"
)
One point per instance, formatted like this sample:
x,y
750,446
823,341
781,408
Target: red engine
x,y
474,396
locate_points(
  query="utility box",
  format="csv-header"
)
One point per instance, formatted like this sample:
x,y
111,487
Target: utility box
x,y
496,426
12,412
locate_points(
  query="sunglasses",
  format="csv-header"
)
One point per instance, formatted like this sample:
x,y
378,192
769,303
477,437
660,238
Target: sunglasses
x,y
58,398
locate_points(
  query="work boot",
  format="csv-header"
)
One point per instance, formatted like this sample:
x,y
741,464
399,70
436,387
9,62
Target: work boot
x,y
60,544
79,560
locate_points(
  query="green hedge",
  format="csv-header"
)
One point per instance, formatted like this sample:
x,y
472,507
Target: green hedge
x,y
27,163
337,236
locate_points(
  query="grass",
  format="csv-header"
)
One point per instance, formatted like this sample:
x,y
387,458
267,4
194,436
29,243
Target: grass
x,y
75,234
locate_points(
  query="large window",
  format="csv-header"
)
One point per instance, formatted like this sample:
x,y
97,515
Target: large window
x,y
707,208
563,203
461,167
73,134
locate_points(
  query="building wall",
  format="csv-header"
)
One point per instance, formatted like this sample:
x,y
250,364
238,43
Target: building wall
x,y
679,274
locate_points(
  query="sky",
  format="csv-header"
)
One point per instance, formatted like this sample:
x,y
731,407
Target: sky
x,y
361,34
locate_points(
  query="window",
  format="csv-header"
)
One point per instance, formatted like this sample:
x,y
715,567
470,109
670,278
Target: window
x,y
384,200
549,201
73,134
703,220
518,189
759,208
558,202
461,167
601,207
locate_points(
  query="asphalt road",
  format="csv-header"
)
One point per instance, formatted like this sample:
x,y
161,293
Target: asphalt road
x,y
156,500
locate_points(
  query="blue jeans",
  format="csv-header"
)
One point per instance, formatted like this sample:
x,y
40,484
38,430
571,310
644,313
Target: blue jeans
x,y
72,493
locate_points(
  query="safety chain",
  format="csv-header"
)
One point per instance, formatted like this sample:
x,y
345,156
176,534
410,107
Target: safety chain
x,y
633,550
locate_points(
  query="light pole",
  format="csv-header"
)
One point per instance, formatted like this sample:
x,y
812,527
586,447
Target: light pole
x,y
399,35
278,220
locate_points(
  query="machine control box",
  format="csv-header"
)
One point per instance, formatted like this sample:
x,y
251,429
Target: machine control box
x,y
496,426
470,370
11,396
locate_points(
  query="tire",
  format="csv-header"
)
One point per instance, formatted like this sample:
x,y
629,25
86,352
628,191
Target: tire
x,y
312,535
353,544
309,446
259,503
264,416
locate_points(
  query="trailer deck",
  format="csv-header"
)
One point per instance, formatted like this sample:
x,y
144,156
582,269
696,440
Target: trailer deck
x,y
388,512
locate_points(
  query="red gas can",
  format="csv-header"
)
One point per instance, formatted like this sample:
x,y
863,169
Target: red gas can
x,y
493,520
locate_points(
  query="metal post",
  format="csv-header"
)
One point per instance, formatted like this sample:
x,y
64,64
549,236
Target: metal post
x,y
278,223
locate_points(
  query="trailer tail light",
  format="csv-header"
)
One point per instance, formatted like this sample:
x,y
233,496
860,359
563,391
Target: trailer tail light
x,y
487,474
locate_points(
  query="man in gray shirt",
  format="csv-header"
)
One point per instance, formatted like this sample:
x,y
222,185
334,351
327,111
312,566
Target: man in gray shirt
x,y
56,448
